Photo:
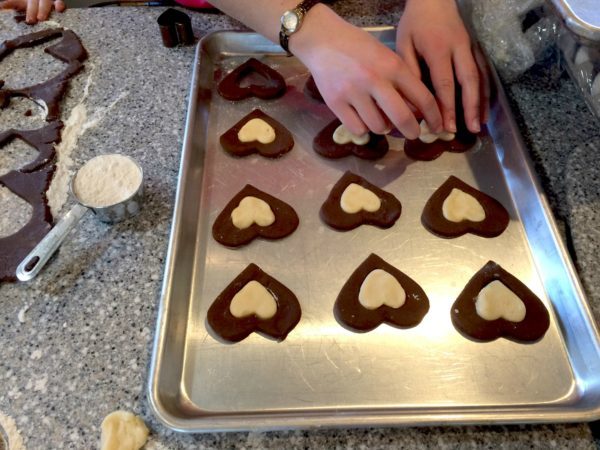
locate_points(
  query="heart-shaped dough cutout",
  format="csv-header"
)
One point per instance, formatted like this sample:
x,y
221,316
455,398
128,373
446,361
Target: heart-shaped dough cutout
x,y
380,288
252,210
428,137
459,206
496,301
342,136
257,130
356,198
253,299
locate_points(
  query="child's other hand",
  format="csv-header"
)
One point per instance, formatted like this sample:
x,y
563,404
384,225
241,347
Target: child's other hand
x,y
36,10
366,85
433,30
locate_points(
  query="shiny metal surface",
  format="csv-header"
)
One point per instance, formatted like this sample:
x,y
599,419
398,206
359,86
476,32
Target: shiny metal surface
x,y
581,16
323,375
35,261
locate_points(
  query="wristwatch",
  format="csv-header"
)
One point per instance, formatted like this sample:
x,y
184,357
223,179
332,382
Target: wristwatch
x,y
291,21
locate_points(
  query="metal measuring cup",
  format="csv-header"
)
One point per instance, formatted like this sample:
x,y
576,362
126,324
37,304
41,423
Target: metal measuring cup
x,y
33,263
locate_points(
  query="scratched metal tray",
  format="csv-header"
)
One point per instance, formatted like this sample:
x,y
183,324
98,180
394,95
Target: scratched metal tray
x,y
323,375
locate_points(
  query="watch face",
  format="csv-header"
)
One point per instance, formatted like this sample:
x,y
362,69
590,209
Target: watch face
x,y
290,21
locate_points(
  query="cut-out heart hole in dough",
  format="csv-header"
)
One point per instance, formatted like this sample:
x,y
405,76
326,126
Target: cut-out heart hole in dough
x,y
342,136
460,206
257,130
356,198
381,288
253,299
252,210
496,301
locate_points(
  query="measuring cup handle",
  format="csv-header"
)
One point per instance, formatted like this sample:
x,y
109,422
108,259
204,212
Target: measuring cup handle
x,y
39,256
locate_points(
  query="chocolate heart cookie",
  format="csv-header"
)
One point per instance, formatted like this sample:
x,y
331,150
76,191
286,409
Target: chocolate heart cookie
x,y
494,304
257,133
379,293
354,201
253,213
254,302
456,208
368,146
272,84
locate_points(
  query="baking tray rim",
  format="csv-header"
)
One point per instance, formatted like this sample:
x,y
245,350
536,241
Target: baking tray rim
x,y
349,417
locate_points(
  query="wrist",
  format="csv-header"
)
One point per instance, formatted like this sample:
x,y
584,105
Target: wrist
x,y
310,33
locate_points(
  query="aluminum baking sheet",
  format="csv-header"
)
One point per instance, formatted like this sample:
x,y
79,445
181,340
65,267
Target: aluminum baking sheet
x,y
324,375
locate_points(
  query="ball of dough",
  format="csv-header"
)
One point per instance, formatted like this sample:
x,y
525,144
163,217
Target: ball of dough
x,y
122,430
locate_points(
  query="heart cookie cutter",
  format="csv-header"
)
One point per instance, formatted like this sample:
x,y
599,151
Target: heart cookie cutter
x,y
175,28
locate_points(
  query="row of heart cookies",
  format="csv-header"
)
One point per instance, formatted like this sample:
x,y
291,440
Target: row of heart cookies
x,y
257,132
454,209
493,304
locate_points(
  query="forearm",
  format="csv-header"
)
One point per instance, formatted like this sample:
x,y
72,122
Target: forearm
x,y
264,16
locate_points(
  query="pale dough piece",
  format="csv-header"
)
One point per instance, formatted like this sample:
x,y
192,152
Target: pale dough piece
x,y
355,198
252,210
428,137
381,288
257,130
459,206
342,136
122,430
255,299
497,301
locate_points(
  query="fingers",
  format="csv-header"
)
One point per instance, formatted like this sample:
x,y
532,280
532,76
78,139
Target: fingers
x,y
397,111
370,113
467,74
349,117
44,8
32,11
407,52
59,5
442,77
18,5
417,94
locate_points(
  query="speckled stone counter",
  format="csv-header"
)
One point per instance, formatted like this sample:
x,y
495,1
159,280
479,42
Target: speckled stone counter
x,y
75,343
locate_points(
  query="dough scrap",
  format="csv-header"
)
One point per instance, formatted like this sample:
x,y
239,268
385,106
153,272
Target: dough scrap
x,y
122,430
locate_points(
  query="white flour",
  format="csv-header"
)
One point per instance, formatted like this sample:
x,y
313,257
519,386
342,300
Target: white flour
x,y
106,180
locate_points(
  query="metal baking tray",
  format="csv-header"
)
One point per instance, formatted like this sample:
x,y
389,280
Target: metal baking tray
x,y
582,17
324,375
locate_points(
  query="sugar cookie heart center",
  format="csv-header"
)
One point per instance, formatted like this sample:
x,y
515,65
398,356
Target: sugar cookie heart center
x,y
356,198
459,206
381,288
253,299
252,210
427,136
342,136
496,301
256,130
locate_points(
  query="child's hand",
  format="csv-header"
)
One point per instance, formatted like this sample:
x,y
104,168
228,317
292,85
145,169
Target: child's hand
x,y
365,84
433,30
36,10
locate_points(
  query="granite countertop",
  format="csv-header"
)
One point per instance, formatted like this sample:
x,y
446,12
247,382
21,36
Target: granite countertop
x,y
75,343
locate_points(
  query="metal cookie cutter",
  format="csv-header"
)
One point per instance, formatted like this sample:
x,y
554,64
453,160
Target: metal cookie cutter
x,y
33,263
175,28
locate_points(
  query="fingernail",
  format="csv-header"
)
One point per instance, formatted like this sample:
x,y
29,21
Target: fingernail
x,y
452,126
475,127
